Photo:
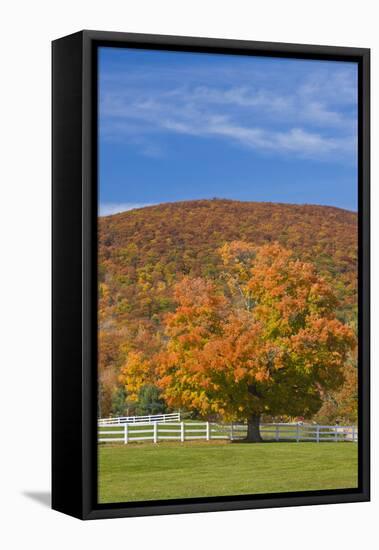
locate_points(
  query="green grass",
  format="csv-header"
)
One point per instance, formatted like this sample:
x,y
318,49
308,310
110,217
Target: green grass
x,y
169,470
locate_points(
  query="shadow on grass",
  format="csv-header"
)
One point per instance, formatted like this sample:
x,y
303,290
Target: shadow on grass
x,y
283,441
263,441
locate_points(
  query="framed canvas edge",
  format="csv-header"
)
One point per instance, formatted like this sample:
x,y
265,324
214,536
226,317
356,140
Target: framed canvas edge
x,y
89,509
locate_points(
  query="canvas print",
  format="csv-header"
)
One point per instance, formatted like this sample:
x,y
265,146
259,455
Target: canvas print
x,y
227,275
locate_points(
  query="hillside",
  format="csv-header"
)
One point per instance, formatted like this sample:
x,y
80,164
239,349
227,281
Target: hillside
x,y
142,251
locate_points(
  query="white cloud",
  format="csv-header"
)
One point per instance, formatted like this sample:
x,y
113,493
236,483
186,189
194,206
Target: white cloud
x,y
108,208
331,86
303,118
294,140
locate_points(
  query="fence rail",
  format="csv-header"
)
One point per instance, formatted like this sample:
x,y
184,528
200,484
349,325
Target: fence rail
x,y
150,418
155,431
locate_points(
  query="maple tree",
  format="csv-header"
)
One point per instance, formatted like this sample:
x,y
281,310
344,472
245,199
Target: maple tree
x,y
144,254
276,355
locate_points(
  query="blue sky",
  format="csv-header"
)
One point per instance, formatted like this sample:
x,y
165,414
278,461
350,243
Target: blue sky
x,y
179,126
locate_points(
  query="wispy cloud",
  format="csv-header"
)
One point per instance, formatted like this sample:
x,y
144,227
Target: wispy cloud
x,y
311,114
108,208
295,140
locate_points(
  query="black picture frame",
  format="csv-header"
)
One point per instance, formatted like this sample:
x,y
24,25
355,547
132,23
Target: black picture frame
x,y
74,295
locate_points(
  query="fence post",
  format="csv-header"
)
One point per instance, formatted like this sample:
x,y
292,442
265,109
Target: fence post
x,y
277,432
207,431
155,432
335,433
182,431
297,433
231,431
318,433
353,434
126,435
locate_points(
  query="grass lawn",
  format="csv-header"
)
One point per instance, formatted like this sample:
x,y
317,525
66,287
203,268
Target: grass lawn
x,y
167,470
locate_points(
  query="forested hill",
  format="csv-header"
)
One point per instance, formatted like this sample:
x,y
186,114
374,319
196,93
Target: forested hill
x,y
143,252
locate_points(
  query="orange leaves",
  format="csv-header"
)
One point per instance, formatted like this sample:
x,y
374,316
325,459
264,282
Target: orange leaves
x,y
214,295
237,255
197,293
199,312
270,344
336,337
323,347
210,369
273,357
288,291
142,253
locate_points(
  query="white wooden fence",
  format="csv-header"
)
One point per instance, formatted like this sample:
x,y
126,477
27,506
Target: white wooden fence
x,y
184,431
148,419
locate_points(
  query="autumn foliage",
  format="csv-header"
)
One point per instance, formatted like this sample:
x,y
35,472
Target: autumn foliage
x,y
144,252
276,355
231,328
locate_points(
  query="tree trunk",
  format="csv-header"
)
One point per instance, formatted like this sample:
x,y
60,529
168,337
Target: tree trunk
x,y
253,433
